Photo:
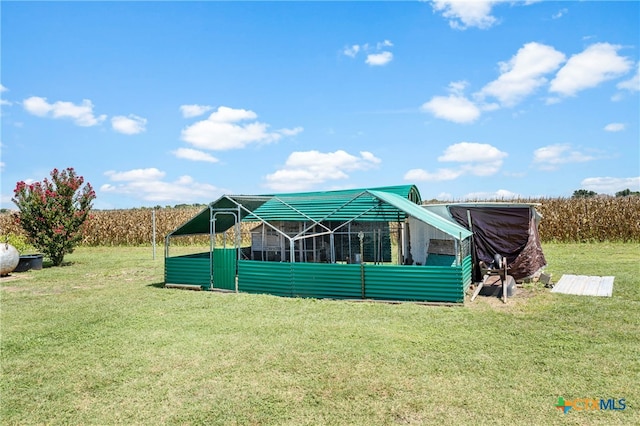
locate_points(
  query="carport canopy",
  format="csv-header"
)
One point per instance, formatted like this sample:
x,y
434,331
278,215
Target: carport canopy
x,y
390,204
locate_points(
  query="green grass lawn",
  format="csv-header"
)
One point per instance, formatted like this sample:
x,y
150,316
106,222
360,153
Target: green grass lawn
x,y
99,341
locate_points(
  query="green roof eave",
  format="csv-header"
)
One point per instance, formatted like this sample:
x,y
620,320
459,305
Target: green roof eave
x,y
239,204
423,215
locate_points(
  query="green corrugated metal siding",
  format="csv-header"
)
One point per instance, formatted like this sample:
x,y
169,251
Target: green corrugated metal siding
x,y
414,283
466,272
440,260
265,277
340,281
321,280
224,268
324,280
191,269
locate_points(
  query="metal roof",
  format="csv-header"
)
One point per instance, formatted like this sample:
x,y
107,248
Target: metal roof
x,y
407,191
389,203
328,206
424,215
241,205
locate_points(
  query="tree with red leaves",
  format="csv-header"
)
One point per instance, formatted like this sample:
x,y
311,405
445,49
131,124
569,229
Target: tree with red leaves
x,y
52,212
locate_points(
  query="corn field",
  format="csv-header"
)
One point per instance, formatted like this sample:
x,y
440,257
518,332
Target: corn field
x,y
564,220
593,219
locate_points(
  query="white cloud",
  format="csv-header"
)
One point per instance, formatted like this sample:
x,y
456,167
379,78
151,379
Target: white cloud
x,y
369,157
291,132
478,159
351,51
559,14
82,114
376,56
147,185
37,106
189,111
552,156
458,87
523,73
633,84
614,127
465,14
526,72
194,155
303,170
4,101
130,125
597,63
6,203
136,174
611,185
421,175
223,130
231,115
475,159
468,152
379,59
456,108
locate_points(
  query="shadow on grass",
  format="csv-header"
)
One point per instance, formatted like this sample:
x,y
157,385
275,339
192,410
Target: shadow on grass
x,y
49,264
156,285
163,286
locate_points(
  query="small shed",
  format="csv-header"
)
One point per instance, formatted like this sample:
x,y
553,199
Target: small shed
x,y
376,243
507,229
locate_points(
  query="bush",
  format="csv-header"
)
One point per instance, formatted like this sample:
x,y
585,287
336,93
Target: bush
x,y
20,242
52,212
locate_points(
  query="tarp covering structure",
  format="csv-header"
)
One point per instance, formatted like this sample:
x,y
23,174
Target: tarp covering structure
x,y
510,230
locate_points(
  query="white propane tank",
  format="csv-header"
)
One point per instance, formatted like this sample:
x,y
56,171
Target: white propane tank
x,y
9,258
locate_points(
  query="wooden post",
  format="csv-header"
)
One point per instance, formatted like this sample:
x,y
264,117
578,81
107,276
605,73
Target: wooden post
x,y
153,226
361,237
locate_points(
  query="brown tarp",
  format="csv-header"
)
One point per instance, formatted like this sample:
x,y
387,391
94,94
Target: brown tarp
x,y
511,232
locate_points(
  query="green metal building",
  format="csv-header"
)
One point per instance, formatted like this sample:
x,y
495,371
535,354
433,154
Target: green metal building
x,y
376,243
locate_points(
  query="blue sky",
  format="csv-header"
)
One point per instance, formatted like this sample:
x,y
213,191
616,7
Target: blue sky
x,y
168,103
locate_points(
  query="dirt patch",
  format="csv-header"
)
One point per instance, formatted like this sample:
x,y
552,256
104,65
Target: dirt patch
x,y
13,277
522,296
11,289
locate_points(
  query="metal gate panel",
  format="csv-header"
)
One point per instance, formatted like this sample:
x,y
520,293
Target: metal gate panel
x,y
224,268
